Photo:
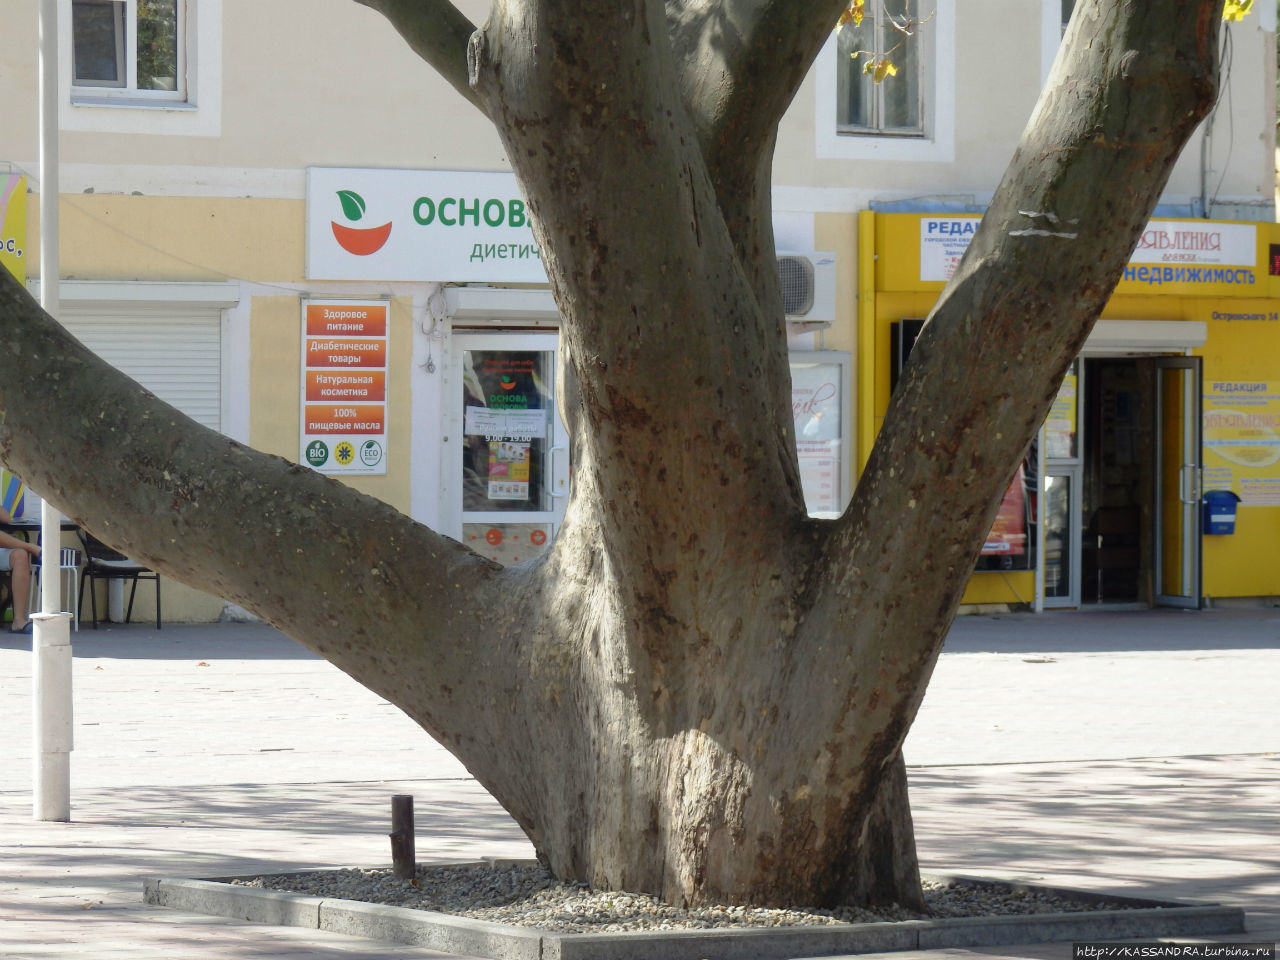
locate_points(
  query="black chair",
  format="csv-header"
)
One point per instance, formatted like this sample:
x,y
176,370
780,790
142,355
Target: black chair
x,y
103,563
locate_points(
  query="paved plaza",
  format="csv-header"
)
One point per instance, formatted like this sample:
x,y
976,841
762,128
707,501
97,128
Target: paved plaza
x,y
1135,752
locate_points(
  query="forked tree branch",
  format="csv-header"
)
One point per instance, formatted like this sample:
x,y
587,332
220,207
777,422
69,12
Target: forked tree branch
x,y
386,599
1129,87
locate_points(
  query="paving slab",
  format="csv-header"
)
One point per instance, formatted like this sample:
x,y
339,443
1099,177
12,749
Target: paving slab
x,y
1123,752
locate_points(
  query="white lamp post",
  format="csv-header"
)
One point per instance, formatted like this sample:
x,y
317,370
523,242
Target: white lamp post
x,y
51,639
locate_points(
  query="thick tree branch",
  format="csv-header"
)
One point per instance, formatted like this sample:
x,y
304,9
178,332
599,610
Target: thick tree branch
x,y
741,63
595,115
438,32
409,613
1130,85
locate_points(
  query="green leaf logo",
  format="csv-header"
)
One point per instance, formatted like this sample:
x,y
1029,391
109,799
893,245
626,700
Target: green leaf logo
x,y
352,204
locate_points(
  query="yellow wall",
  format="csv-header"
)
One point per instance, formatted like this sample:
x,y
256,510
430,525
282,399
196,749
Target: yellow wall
x,y
1244,564
115,237
1241,565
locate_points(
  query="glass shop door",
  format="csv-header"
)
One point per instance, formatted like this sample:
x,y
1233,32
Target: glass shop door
x,y
1178,481
510,453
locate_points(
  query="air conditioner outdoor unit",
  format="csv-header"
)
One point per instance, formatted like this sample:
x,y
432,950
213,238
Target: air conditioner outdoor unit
x,y
808,288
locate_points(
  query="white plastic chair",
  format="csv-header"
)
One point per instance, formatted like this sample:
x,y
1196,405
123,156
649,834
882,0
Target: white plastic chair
x,y
69,567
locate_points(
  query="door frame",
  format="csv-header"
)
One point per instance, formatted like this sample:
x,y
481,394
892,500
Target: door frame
x,y
1190,483
1188,489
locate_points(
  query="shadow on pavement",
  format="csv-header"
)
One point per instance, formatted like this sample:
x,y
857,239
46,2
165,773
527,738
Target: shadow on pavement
x,y
1181,828
1116,631
179,641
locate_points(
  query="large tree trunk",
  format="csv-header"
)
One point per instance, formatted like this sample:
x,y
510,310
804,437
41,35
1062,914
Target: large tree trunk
x,y
698,691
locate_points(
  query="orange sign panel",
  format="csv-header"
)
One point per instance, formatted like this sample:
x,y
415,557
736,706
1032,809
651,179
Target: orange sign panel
x,y
324,418
345,354
346,386
346,320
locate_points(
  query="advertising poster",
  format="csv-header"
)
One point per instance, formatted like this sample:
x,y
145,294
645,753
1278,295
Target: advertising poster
x,y
13,224
344,386
1241,439
1008,536
508,470
1060,425
506,427
816,403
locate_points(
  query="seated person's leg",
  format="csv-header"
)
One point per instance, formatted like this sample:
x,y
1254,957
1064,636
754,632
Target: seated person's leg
x,y
18,564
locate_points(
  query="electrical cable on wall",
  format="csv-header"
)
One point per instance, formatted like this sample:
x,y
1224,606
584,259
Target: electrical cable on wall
x,y
1224,89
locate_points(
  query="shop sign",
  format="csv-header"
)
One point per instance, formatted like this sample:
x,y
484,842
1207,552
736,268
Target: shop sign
x,y
1241,438
419,225
344,386
943,241
1183,252
13,224
1200,242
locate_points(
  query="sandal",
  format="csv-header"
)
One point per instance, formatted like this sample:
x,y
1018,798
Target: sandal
x,y
25,628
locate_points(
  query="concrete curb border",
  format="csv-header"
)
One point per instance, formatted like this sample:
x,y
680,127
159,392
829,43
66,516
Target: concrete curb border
x,y
460,935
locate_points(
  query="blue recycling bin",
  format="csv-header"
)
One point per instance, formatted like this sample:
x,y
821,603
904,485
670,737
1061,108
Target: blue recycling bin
x,y
1220,512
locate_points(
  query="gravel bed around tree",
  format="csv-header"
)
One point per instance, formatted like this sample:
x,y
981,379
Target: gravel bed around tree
x,y
527,895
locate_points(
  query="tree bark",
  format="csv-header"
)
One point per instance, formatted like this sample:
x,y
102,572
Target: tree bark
x,y
698,691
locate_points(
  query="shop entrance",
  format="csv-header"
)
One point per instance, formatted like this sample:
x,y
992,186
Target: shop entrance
x,y
1121,497
508,449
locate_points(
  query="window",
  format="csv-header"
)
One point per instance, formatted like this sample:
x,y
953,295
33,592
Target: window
x,y
129,49
908,117
893,106
141,67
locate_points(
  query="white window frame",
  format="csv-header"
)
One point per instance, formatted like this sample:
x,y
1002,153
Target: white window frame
x,y
88,91
888,42
196,110
938,65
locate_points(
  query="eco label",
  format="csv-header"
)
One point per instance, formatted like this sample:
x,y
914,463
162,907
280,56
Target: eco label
x,y
1241,439
344,386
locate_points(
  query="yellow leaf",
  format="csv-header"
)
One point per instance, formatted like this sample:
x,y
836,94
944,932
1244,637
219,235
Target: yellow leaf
x,y
881,68
852,13
1236,10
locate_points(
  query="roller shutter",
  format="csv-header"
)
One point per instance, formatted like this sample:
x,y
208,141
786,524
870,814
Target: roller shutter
x,y
175,351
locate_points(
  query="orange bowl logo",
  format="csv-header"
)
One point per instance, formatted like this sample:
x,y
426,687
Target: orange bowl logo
x,y
360,241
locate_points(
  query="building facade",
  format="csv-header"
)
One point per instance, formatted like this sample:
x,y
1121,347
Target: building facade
x,y
280,220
